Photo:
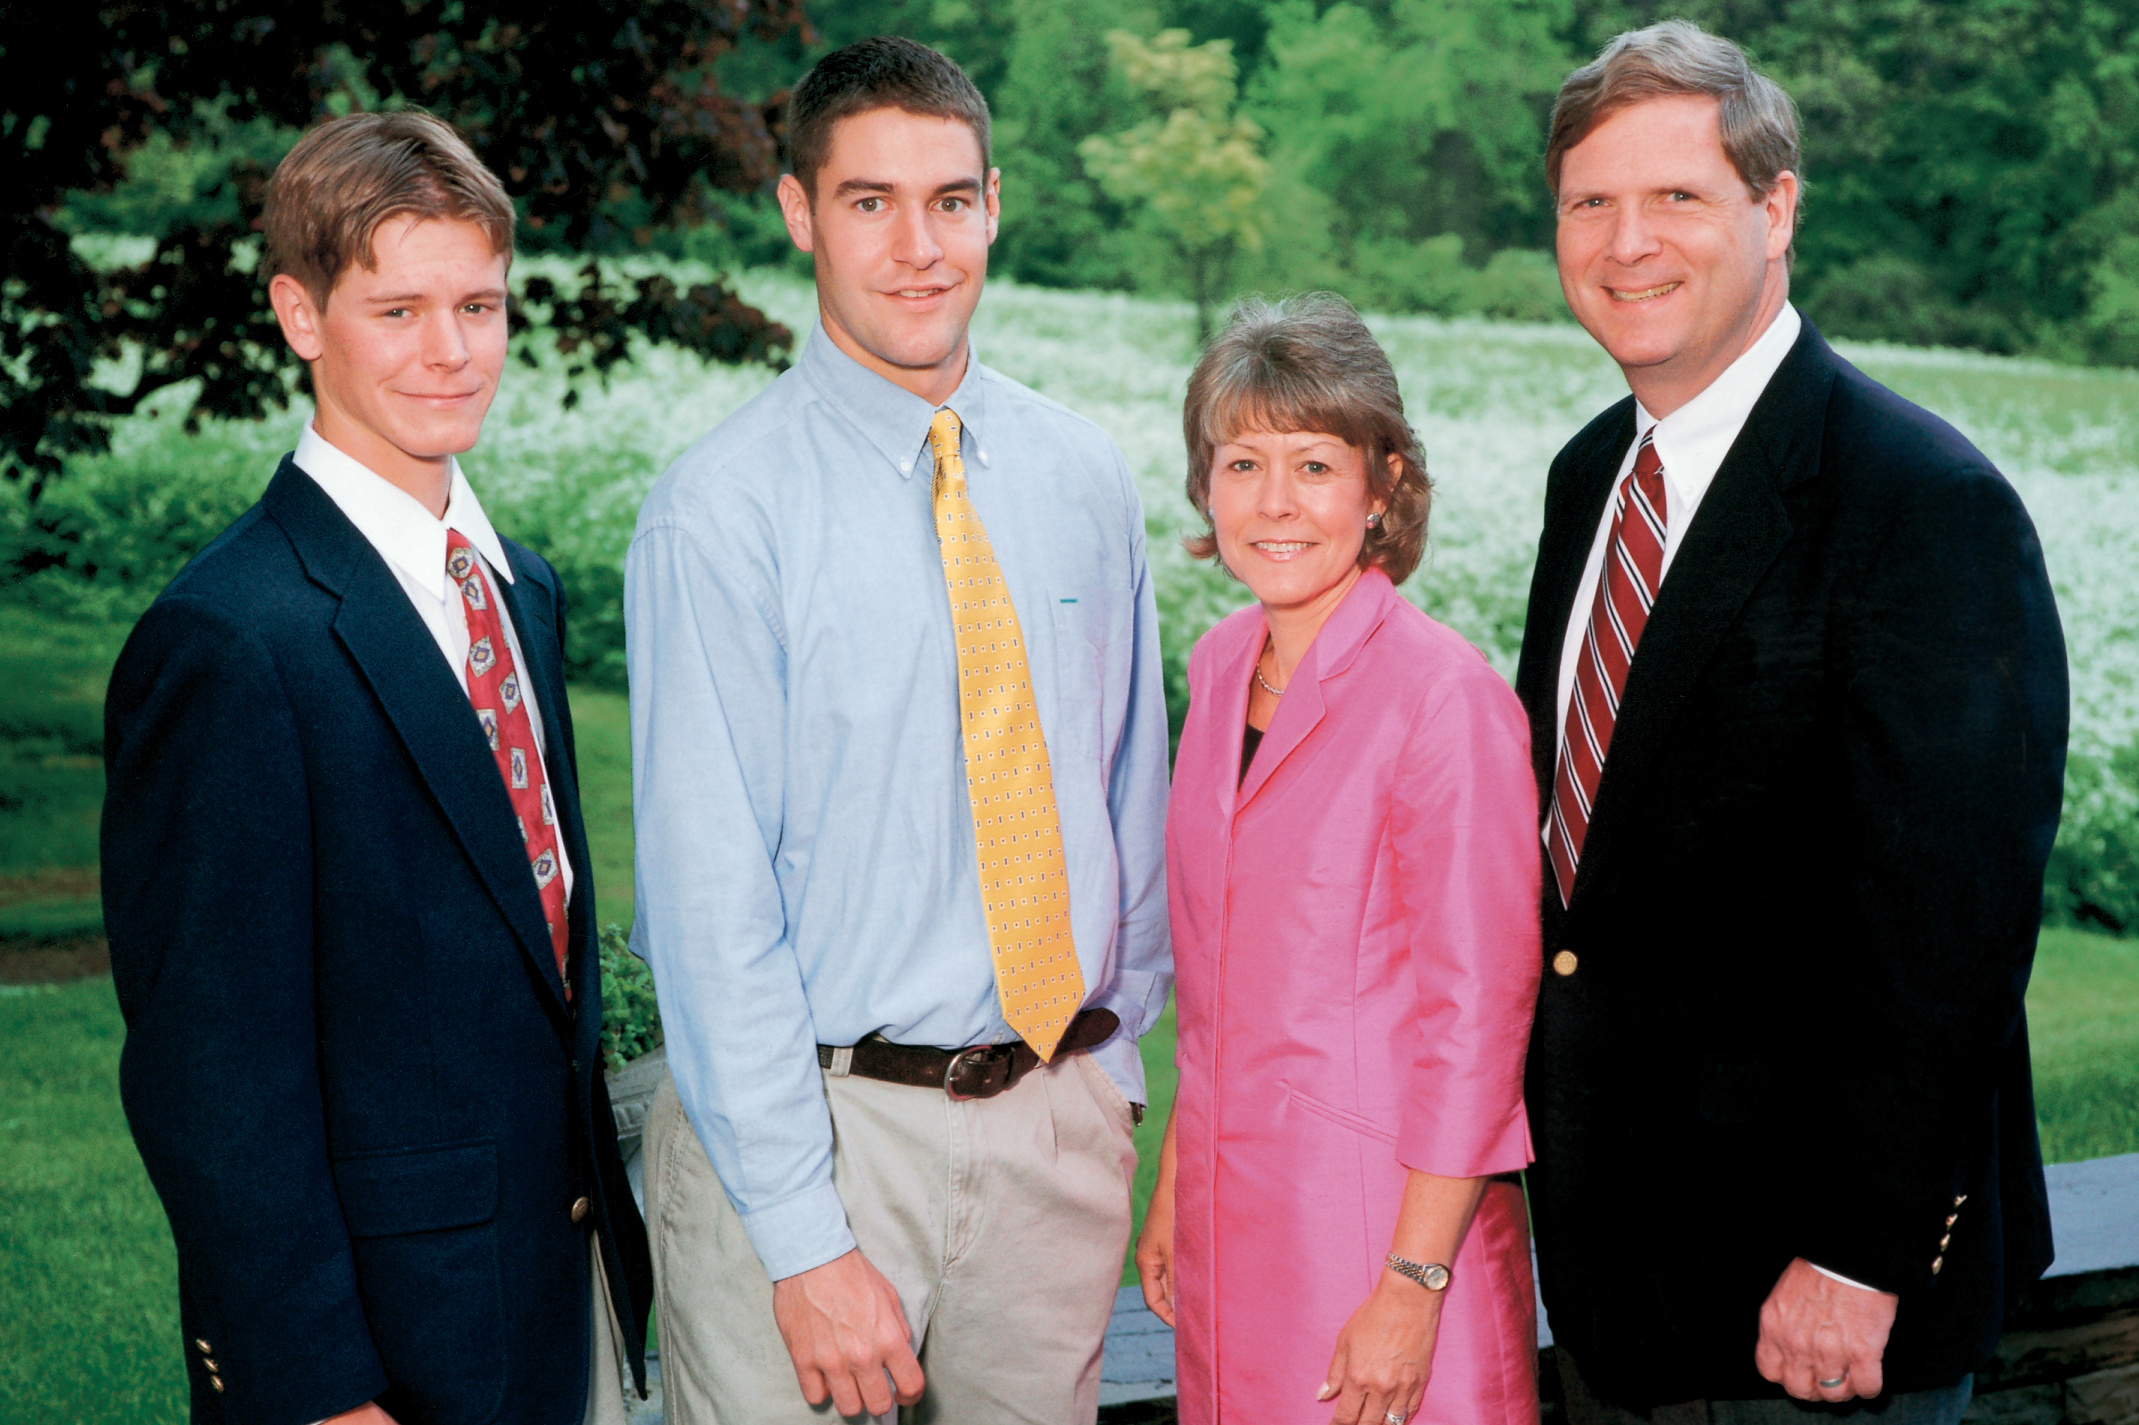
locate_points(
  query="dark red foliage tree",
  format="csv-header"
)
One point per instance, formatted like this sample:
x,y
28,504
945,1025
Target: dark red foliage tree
x,y
585,110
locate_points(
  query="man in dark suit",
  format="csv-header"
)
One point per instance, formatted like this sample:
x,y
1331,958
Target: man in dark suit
x,y
345,877
1798,706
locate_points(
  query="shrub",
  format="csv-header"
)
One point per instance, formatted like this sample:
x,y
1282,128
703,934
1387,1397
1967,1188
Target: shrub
x,y
631,1017
2094,868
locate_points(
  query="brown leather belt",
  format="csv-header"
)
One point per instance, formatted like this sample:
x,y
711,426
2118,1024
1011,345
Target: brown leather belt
x,y
981,1071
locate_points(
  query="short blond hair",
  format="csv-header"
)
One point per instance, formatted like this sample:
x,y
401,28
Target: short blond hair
x,y
1676,57
1308,363
350,174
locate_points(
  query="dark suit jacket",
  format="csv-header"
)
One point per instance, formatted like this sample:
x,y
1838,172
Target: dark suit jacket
x,y
1807,906
350,1065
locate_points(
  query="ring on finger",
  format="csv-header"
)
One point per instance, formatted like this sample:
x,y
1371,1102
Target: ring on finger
x,y
1831,1384
1393,1418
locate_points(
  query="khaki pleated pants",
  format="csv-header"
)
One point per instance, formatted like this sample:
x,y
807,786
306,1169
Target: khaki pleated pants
x,y
1001,1222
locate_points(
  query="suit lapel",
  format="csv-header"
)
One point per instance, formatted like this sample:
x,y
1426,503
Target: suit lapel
x,y
529,603
1740,528
1336,644
1229,709
421,699
1570,530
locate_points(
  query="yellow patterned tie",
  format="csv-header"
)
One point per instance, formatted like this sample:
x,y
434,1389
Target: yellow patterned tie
x,y
1024,880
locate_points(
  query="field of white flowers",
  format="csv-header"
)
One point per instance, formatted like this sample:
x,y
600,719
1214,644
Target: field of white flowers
x,y
1492,402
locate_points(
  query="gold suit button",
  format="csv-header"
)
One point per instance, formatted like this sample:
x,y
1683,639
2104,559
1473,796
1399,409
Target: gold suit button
x,y
209,1362
1936,1263
579,1209
205,1347
217,1382
1564,963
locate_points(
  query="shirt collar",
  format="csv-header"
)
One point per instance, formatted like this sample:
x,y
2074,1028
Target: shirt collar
x,y
395,522
1693,440
889,417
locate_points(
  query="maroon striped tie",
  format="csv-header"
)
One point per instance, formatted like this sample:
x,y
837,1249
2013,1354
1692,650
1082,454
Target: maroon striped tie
x,y
1633,569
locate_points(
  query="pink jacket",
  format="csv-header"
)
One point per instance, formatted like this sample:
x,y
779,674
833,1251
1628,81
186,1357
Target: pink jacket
x,y
1355,933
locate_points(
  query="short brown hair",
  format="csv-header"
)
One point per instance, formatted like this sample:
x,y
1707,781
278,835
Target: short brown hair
x,y
1675,57
886,72
349,175
1308,363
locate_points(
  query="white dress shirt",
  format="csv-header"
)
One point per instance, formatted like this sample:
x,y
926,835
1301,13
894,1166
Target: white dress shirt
x,y
412,541
1691,443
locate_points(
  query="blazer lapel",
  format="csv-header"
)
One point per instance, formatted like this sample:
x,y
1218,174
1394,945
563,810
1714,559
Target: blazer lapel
x,y
1740,528
1336,644
1229,710
542,651
1563,551
421,698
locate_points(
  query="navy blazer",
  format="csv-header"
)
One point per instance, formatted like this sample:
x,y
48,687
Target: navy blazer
x,y
1789,1020
350,1065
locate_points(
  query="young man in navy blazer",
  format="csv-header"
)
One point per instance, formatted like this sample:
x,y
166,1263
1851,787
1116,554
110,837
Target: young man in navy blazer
x,y
345,877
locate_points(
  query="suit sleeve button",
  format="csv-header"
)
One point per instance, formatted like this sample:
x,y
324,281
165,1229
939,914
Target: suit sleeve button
x,y
579,1209
1564,963
205,1348
217,1382
1936,1263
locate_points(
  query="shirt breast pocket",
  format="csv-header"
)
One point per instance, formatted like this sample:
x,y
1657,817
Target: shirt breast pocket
x,y
1084,631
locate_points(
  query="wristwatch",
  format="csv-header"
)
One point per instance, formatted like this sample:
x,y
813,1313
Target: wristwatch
x,y
1430,1275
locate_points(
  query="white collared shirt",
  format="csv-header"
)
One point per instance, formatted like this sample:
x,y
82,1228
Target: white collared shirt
x,y
412,541
1691,442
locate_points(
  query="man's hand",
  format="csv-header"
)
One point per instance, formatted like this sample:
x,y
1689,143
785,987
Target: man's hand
x,y
362,1415
1814,1329
845,1331
1154,1251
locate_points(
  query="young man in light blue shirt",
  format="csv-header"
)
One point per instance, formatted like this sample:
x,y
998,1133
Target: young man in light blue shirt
x,y
874,833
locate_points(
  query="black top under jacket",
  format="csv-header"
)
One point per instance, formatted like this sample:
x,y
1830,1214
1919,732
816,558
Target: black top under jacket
x,y
1806,911
350,1064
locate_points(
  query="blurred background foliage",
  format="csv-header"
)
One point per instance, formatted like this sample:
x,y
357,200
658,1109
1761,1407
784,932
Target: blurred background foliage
x,y
1972,166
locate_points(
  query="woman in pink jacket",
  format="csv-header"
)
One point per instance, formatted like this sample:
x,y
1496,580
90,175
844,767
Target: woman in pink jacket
x,y
1352,856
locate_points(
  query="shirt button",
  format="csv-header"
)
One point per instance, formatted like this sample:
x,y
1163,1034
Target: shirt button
x,y
1564,963
579,1209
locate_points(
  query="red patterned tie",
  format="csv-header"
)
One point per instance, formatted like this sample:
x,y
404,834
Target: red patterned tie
x,y
500,706
1633,568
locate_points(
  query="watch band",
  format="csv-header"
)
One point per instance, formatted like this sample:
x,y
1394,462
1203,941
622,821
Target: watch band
x,y
1430,1275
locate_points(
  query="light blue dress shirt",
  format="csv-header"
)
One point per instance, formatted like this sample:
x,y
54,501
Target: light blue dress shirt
x,y
806,872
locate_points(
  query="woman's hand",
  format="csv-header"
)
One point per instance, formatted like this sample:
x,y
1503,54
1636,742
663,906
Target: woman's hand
x,y
1154,1246
1384,1353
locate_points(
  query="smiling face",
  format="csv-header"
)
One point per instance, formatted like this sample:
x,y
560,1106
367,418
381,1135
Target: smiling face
x,y
1289,510
900,226
406,356
1666,257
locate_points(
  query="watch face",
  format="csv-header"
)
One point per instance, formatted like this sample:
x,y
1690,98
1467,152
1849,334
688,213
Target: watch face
x,y
1436,1277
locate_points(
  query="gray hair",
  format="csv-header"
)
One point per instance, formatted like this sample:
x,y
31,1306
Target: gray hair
x,y
1676,57
1308,363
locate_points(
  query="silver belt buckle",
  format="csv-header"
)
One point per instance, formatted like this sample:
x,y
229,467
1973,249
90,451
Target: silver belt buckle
x,y
974,1073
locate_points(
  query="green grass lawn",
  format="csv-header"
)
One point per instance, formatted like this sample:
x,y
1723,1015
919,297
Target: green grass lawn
x,y
89,1331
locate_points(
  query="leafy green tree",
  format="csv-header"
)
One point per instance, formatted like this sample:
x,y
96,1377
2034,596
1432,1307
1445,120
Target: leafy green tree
x,y
1405,137
1197,170
604,119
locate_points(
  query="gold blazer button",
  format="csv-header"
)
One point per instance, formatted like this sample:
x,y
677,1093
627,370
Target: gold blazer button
x,y
579,1209
1564,963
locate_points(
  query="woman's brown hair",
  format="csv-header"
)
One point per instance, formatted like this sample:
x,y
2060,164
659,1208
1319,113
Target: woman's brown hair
x,y
1308,363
